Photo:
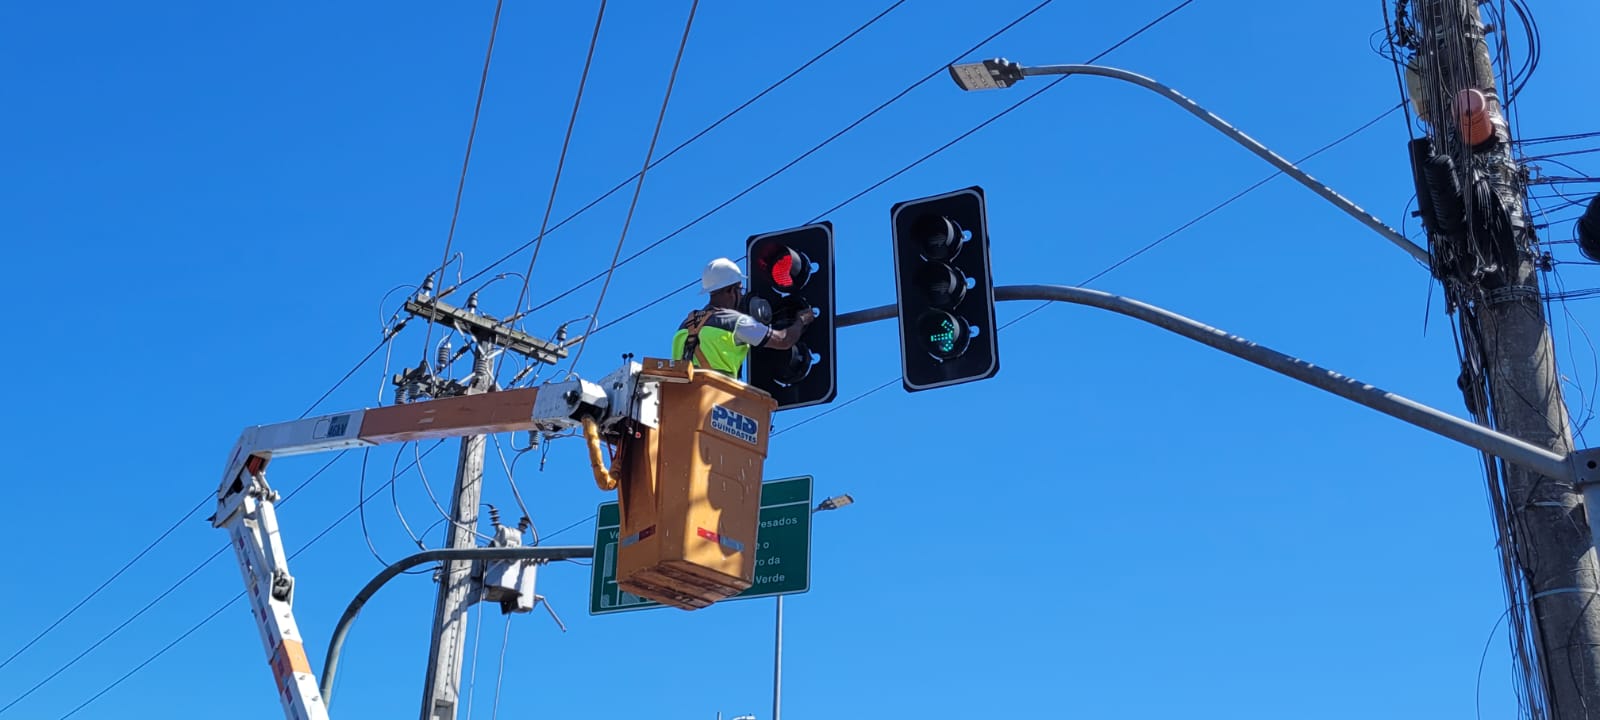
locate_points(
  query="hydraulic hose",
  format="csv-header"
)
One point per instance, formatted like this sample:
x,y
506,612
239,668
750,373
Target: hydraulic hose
x,y
605,479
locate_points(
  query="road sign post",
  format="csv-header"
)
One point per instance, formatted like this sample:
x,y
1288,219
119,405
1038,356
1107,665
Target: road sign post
x,y
783,549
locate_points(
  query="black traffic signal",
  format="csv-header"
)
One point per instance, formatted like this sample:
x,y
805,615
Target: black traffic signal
x,y
792,270
944,290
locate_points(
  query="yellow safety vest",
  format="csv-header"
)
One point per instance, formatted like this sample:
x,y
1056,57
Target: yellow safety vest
x,y
714,345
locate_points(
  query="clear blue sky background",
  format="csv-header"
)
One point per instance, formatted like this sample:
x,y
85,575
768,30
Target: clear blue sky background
x,y
203,205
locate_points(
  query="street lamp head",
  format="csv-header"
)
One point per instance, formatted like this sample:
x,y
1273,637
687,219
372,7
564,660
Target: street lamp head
x,y
834,503
987,75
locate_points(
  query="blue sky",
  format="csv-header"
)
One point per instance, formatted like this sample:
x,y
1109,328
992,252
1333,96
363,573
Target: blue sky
x,y
205,204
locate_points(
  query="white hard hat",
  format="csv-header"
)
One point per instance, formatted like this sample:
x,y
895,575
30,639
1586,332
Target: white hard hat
x,y
720,273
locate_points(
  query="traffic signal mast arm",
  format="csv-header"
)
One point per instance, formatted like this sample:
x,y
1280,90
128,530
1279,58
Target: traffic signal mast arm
x,y
1582,467
246,504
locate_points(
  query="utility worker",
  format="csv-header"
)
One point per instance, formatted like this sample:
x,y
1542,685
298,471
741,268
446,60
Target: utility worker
x,y
719,336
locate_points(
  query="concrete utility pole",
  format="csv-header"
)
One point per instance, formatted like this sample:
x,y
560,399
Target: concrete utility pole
x,y
1491,267
459,586
456,587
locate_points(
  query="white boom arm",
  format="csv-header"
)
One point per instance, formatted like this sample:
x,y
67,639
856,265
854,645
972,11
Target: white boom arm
x,y
245,501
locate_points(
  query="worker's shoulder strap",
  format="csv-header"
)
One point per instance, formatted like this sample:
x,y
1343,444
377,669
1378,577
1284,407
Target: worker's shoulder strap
x,y
691,345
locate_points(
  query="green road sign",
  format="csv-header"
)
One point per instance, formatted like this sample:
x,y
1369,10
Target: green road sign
x,y
783,549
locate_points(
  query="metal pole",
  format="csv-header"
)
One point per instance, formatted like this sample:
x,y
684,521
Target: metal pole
x,y
330,666
457,588
1261,151
777,663
1553,465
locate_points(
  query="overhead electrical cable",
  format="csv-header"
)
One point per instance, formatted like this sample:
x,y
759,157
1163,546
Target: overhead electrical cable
x,y
313,541
1556,138
686,143
354,369
638,188
500,671
466,161
937,72
472,679
158,599
561,161
209,498
907,168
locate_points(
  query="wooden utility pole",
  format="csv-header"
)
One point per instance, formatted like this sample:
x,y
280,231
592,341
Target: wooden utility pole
x,y
1486,254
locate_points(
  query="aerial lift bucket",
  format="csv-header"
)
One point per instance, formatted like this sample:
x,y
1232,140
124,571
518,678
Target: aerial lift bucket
x,y
690,490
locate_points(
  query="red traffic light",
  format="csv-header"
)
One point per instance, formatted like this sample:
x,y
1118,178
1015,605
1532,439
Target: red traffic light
x,y
783,271
788,268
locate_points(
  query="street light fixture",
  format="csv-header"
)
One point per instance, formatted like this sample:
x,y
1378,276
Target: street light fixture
x,y
987,75
1001,73
833,503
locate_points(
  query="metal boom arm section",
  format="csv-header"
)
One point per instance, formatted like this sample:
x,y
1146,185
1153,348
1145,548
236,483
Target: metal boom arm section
x,y
245,509
245,503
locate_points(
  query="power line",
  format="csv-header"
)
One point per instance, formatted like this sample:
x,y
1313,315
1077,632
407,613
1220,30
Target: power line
x,y
913,164
1556,138
692,139
466,160
472,679
627,220
1547,156
115,630
355,368
830,139
786,167
208,498
141,611
570,526
1240,194
235,598
561,161
500,672
108,581
941,70
361,508
152,658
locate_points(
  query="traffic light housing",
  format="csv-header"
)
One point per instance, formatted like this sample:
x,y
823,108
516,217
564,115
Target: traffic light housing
x,y
944,290
791,270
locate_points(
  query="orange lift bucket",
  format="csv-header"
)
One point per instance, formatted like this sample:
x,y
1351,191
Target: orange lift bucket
x,y
690,493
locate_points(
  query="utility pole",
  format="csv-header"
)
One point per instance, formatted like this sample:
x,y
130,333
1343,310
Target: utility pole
x,y
1486,255
456,587
459,584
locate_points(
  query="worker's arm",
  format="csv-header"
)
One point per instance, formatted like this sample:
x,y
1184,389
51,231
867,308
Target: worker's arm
x,y
785,338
